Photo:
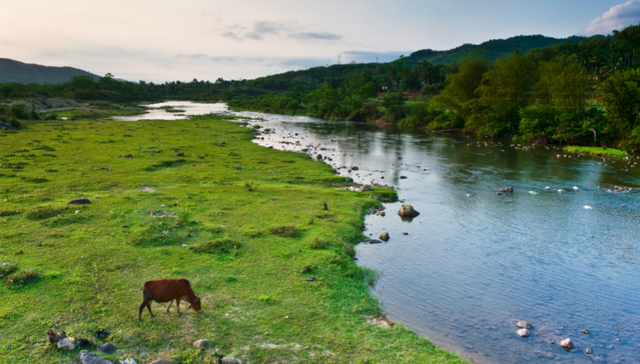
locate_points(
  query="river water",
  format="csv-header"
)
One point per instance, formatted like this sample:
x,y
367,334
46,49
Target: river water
x,y
561,252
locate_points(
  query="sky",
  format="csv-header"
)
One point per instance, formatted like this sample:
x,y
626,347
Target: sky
x,y
179,40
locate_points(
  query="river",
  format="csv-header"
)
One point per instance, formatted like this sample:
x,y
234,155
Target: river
x,y
561,252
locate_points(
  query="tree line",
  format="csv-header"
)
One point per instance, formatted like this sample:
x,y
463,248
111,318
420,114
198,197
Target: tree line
x,y
585,93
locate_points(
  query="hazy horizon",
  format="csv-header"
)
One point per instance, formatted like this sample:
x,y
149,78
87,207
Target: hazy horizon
x,y
167,40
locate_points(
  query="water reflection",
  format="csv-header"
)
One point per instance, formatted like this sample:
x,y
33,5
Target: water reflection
x,y
473,263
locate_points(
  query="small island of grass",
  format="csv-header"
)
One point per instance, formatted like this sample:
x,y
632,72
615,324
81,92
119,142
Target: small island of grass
x,y
597,151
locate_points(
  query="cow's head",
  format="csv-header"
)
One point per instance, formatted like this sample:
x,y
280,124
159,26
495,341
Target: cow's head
x,y
196,305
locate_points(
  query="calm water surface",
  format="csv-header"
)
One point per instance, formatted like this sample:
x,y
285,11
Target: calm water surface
x,y
474,263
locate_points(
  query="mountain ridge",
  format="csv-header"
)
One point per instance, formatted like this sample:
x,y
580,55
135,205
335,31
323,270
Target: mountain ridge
x,y
16,71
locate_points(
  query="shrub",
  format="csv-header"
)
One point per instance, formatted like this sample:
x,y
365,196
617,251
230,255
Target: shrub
x,y
317,243
6,268
349,250
220,247
19,111
286,231
42,213
23,277
5,213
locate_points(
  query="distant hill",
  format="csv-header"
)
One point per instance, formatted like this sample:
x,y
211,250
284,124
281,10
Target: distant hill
x,y
14,71
489,50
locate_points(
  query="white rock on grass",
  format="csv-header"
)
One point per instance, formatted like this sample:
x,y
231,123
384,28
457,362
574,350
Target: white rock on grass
x,y
201,343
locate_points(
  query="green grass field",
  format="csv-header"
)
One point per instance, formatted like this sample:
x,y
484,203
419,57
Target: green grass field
x,y
194,199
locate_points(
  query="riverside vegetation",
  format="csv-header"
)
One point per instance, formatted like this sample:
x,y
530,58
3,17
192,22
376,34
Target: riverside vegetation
x,y
194,199
583,91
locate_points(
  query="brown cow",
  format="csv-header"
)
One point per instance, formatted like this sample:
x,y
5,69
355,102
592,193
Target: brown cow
x,y
167,290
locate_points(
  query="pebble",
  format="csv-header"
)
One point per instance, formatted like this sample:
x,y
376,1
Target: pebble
x,y
588,351
567,344
524,324
524,333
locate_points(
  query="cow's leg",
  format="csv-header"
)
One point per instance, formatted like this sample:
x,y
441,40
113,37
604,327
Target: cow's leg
x,y
144,303
168,307
149,307
178,305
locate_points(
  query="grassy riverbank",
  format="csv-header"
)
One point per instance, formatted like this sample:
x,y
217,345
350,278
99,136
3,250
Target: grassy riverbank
x,y
597,151
195,199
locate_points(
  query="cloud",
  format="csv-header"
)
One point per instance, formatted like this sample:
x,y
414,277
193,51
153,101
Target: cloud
x,y
261,29
319,36
616,18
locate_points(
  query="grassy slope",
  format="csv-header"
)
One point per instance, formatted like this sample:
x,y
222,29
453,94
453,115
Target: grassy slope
x,y
221,198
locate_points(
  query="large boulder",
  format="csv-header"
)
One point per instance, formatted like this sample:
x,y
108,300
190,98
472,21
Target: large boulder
x,y
408,211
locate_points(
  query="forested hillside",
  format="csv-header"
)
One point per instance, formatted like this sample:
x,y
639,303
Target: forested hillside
x,y
14,71
567,93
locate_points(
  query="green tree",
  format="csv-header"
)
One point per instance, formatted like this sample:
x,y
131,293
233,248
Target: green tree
x,y
621,97
505,90
461,86
562,83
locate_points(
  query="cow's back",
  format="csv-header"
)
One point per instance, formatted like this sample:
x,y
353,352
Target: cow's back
x,y
165,290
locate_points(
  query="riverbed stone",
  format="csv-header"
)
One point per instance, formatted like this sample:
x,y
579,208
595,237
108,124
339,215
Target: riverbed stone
x,y
408,211
588,351
567,344
365,188
384,236
524,333
374,241
524,324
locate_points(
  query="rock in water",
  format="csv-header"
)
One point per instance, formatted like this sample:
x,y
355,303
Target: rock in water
x,y
588,351
365,188
524,333
374,241
567,344
384,236
407,211
524,324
